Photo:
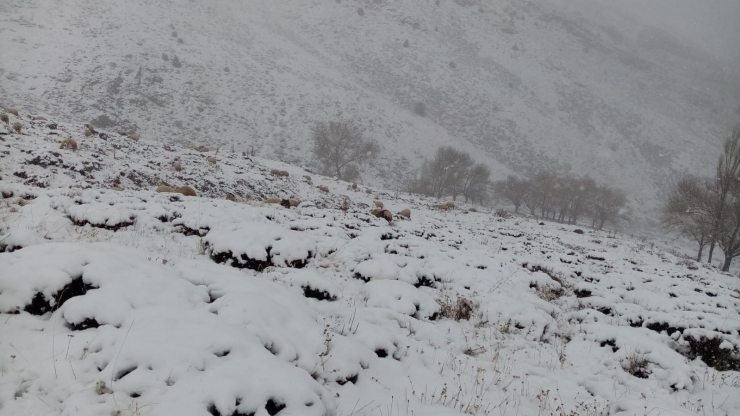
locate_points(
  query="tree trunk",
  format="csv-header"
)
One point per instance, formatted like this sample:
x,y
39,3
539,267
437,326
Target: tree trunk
x,y
701,248
711,251
516,209
728,262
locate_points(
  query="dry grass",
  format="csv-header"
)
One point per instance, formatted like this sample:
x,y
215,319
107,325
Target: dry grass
x,y
458,308
637,364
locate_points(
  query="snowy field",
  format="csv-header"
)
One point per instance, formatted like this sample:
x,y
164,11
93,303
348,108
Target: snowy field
x,y
126,301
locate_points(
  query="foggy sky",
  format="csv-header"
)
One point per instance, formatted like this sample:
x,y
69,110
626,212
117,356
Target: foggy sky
x,y
712,25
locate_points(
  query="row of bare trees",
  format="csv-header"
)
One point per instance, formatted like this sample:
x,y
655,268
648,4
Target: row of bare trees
x,y
564,198
452,173
708,210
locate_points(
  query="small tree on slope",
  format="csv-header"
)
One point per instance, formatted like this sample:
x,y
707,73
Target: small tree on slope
x,y
339,147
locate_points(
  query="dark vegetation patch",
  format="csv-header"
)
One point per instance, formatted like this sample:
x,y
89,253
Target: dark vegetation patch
x,y
610,342
190,231
40,305
310,292
245,262
85,324
274,406
214,412
115,227
582,293
710,352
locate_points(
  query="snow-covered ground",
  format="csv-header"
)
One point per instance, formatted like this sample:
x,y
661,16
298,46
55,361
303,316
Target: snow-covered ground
x,y
133,302
523,85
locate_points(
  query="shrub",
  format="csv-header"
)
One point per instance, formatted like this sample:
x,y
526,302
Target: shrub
x,y
637,364
458,308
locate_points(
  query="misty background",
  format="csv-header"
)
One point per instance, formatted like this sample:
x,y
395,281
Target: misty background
x,y
632,93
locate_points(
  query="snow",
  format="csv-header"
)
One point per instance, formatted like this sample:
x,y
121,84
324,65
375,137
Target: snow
x,y
571,85
133,302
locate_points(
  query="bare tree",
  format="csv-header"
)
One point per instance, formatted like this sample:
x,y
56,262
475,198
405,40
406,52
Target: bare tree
x,y
446,171
607,206
513,190
727,200
543,188
339,146
689,211
476,182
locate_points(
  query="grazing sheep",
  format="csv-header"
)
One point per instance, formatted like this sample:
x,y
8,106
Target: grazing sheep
x,y
272,201
13,111
281,173
284,173
230,197
91,128
473,210
354,185
212,160
405,213
387,215
275,172
324,188
69,144
450,205
17,126
442,207
186,190
165,188
382,213
378,204
133,136
177,166
116,188
368,191
39,118
295,202
4,118
307,178
88,132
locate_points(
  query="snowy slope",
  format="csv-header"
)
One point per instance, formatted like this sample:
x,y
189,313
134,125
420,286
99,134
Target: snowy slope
x,y
133,302
521,84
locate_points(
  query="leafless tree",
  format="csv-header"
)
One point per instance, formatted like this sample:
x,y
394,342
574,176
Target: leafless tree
x,y
513,190
608,204
339,147
475,182
726,194
689,211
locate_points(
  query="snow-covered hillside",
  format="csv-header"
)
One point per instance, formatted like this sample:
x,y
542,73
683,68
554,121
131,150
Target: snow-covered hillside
x,y
133,302
521,84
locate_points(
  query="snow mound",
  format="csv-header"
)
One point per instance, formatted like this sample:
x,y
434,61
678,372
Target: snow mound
x,y
259,245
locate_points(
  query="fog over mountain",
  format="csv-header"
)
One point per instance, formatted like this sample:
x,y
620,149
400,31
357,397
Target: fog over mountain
x,y
633,93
